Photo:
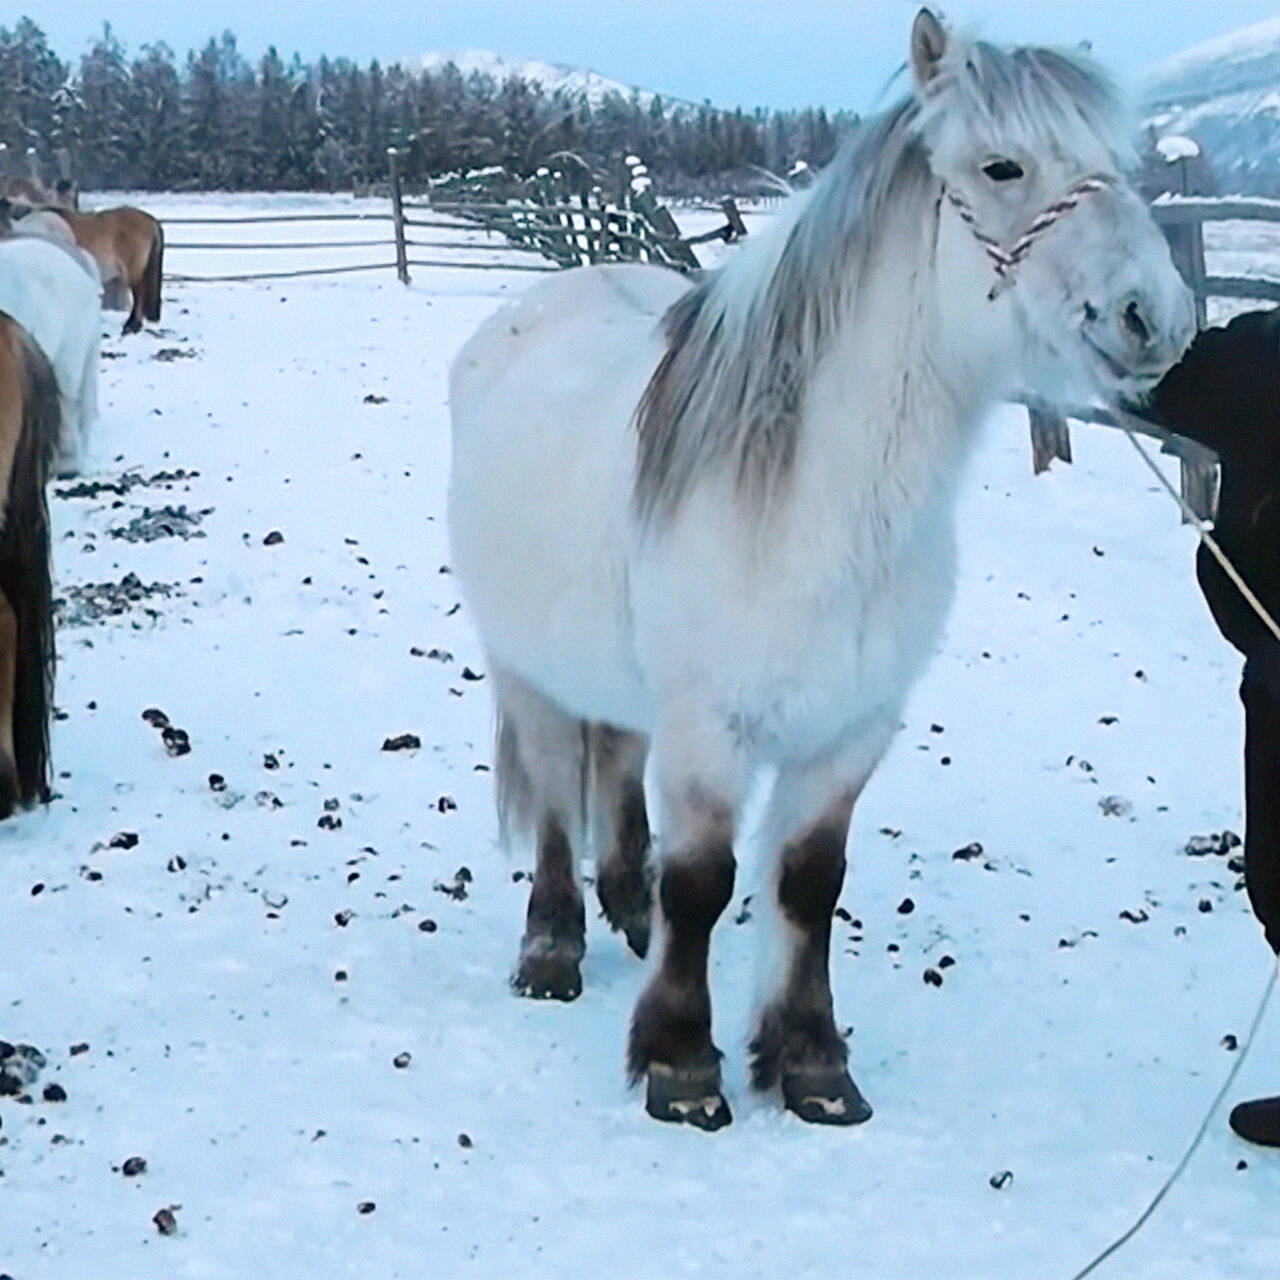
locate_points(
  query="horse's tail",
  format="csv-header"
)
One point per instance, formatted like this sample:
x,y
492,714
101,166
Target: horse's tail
x,y
25,578
153,276
511,785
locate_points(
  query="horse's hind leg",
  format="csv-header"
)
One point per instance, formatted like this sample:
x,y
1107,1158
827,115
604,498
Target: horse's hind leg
x,y
797,1045
624,878
133,324
539,766
10,788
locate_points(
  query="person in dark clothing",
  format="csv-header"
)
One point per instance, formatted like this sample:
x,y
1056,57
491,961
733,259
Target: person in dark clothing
x,y
1225,394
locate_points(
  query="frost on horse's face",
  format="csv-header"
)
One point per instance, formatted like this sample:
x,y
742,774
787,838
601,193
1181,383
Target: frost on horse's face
x,y
1096,304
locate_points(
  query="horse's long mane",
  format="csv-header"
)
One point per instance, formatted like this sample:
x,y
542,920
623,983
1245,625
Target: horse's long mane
x,y
743,343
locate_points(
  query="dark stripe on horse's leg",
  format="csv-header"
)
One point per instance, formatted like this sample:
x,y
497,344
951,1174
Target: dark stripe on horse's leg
x,y
555,926
624,883
671,1027
797,1044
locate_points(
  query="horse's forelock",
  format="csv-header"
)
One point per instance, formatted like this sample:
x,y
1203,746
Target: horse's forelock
x,y
1039,98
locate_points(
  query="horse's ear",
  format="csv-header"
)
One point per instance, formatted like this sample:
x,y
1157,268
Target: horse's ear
x,y
928,44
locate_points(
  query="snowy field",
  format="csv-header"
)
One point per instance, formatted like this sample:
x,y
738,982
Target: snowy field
x,y
223,980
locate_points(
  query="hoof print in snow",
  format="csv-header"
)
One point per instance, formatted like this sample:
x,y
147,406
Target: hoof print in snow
x,y
343,918
273,539
123,840
906,907
366,1207
404,742
373,398
468,674
176,741
401,1061
1115,807
458,889
329,822
134,1167
156,718
968,853
427,926
1215,844
999,1181
20,1067
54,1093
165,1221
217,782
932,978
446,804
1135,917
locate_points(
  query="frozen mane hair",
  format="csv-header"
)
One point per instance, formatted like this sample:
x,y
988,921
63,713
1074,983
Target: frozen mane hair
x,y
743,343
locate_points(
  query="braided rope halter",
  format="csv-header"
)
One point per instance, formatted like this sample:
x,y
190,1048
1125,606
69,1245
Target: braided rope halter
x,y
1007,260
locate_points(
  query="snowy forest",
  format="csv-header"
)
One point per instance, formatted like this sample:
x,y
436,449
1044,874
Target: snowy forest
x,y
150,120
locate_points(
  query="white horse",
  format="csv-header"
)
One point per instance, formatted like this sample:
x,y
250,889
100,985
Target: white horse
x,y
715,521
49,290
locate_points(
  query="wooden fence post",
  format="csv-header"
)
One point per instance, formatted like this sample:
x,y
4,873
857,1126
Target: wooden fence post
x,y
1050,437
397,213
1186,246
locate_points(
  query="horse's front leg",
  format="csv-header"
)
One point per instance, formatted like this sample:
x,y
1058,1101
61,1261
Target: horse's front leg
x,y
670,1044
797,1045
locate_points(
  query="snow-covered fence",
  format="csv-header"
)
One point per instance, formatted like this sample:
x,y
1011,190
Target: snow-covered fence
x,y
462,244
564,214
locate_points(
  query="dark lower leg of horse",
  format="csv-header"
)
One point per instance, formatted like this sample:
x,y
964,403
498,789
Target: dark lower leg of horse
x,y
555,926
670,1041
624,881
10,785
134,322
797,1045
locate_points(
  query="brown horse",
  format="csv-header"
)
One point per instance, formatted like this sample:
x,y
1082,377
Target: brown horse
x,y
18,186
128,246
29,427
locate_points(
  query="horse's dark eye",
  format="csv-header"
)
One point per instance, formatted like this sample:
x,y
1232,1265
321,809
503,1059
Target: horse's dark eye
x,y
1002,170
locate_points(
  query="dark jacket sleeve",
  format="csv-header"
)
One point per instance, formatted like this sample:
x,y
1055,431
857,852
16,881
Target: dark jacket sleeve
x,y
1226,389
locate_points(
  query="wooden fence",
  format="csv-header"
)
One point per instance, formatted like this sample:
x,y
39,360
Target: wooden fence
x,y
564,230
1182,219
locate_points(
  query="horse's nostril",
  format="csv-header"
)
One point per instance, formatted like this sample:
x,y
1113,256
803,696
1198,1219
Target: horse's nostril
x,y
1090,312
1135,324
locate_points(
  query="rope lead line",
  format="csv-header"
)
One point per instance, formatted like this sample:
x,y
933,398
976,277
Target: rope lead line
x,y
1207,538
1182,1164
1261,610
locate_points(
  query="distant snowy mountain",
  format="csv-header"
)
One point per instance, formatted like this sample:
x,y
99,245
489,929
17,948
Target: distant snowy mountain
x,y
1225,93
549,76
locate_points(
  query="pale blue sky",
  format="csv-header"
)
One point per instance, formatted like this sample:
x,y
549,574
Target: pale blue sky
x,y
774,53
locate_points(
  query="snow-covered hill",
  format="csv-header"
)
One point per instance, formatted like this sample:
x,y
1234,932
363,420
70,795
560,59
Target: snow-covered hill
x,y
1225,93
551,77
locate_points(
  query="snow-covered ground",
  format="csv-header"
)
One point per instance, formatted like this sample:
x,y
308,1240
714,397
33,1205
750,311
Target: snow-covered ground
x,y
244,977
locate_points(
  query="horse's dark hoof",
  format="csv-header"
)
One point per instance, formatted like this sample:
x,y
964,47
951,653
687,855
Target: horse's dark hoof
x,y
1258,1121
824,1095
689,1095
548,970
626,897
